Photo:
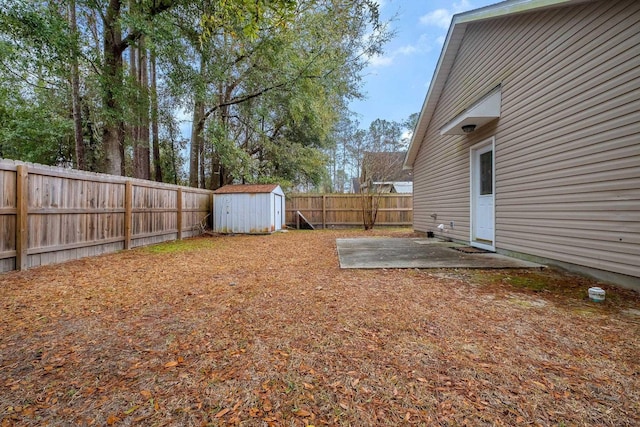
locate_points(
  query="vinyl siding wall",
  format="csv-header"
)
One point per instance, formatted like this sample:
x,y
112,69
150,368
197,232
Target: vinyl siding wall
x,y
567,143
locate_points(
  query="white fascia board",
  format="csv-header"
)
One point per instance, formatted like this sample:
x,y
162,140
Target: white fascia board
x,y
479,114
511,7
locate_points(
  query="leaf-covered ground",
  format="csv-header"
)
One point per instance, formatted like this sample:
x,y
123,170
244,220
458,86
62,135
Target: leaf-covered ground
x,y
267,330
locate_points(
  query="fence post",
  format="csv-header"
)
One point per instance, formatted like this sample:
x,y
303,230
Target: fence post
x,y
22,214
324,211
179,206
128,196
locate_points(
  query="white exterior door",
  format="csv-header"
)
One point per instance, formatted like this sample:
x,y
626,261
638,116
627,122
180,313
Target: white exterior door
x,y
483,195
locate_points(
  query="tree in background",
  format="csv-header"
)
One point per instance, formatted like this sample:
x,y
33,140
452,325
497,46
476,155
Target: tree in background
x,y
263,111
98,85
351,142
34,119
373,157
63,69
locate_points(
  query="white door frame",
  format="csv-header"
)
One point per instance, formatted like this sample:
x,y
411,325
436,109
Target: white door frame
x,y
277,211
474,186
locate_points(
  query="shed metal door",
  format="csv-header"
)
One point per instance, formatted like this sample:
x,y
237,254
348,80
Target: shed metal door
x,y
277,211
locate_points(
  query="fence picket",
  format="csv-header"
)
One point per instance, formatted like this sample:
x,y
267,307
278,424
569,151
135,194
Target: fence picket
x,y
50,215
345,210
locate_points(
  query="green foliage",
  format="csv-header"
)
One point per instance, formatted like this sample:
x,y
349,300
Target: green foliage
x,y
272,94
274,77
34,134
34,45
37,37
172,161
234,158
244,18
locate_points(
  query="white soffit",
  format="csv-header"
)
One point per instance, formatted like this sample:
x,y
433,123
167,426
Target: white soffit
x,y
479,114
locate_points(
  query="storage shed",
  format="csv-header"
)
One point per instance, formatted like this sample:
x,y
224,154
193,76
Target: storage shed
x,y
248,209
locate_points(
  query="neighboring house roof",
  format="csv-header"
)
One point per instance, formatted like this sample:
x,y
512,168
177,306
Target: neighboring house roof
x,y
384,166
449,52
249,188
403,187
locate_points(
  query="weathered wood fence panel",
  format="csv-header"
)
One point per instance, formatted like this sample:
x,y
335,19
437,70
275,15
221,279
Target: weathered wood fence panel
x,y
345,210
8,216
50,215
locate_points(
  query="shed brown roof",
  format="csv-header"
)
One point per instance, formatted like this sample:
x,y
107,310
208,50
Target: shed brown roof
x,y
249,188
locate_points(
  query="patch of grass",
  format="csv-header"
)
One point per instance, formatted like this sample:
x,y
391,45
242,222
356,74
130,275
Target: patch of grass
x,y
177,246
533,283
551,282
586,311
522,303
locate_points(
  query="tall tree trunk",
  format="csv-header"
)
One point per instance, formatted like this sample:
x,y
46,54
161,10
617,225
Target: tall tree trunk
x,y
220,176
201,155
132,127
197,142
75,92
113,136
141,152
197,134
154,120
145,119
113,130
93,146
174,161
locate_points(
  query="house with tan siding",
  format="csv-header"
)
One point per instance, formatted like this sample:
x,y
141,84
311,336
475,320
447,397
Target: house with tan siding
x,y
528,142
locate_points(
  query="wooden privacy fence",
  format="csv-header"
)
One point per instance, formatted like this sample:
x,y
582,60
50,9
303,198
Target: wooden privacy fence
x,y
345,210
50,215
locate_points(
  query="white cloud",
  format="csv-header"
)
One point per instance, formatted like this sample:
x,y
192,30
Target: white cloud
x,y
380,60
423,45
442,17
407,50
439,17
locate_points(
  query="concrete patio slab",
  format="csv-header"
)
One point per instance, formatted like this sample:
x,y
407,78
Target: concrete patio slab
x,y
390,252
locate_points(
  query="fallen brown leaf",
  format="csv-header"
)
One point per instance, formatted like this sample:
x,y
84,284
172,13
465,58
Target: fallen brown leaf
x,y
87,341
222,413
302,413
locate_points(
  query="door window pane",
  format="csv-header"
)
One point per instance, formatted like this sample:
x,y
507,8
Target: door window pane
x,y
486,172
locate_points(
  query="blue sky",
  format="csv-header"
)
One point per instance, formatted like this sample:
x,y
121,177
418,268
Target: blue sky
x,y
396,82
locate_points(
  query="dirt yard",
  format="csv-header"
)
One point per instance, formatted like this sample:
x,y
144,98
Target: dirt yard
x,y
267,330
